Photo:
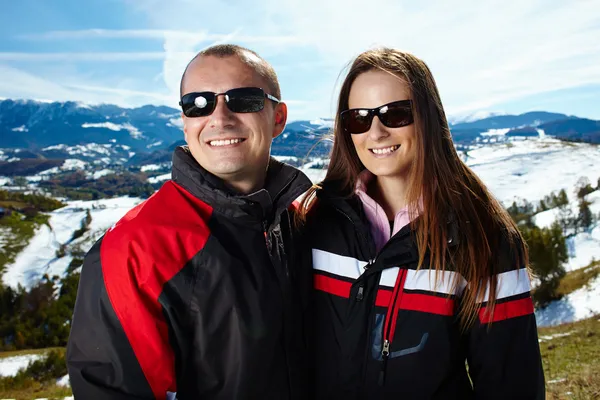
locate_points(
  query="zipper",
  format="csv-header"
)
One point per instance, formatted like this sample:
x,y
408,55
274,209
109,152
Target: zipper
x,y
389,327
392,314
361,287
284,297
385,352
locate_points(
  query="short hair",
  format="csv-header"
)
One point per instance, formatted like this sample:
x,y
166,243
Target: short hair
x,y
248,57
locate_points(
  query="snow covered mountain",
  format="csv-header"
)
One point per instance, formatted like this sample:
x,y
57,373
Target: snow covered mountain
x,y
96,150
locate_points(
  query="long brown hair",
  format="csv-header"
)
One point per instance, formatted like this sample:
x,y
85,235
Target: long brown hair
x,y
446,185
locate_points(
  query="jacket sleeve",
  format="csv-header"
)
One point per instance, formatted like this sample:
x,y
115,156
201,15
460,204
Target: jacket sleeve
x,y
503,351
101,360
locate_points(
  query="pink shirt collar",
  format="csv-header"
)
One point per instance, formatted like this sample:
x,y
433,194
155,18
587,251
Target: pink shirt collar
x,y
378,221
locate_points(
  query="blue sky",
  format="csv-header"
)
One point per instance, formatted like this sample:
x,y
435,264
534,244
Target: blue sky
x,y
500,56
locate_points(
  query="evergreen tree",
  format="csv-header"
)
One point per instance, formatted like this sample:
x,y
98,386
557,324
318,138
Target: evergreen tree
x,y
547,254
563,199
585,219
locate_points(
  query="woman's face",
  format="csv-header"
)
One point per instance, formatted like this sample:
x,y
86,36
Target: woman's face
x,y
385,152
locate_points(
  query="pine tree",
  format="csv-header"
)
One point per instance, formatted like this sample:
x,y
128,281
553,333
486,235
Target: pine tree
x,y
585,218
547,254
583,187
542,206
563,199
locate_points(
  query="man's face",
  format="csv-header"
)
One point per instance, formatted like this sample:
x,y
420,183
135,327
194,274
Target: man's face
x,y
232,146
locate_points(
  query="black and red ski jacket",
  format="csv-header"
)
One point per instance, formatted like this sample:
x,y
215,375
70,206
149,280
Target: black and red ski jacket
x,y
195,293
387,330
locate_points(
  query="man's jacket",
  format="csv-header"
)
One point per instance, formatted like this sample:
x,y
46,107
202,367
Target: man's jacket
x,y
196,292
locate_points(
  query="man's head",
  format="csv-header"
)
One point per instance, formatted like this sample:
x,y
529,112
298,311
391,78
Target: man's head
x,y
234,146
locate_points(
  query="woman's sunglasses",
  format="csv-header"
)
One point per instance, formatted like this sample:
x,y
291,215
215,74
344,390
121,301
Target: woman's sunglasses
x,y
238,100
393,115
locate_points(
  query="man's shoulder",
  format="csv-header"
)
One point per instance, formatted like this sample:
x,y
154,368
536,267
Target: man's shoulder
x,y
153,225
171,204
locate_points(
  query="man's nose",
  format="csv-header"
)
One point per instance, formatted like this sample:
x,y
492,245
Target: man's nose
x,y
222,116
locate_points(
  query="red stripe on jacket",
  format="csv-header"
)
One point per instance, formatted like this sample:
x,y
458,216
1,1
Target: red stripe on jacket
x,y
510,309
409,301
141,253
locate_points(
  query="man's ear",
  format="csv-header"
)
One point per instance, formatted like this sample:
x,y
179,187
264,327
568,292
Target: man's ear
x,y
184,127
280,119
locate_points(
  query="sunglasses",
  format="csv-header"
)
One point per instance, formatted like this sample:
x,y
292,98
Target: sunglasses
x,y
393,115
238,100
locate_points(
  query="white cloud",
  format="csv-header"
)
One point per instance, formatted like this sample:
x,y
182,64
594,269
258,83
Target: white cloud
x,y
71,57
481,53
158,34
19,84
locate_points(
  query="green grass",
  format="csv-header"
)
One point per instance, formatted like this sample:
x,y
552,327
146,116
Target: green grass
x,y
12,204
579,278
50,391
571,362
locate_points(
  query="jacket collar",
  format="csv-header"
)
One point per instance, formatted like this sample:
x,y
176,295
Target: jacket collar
x,y
283,185
351,206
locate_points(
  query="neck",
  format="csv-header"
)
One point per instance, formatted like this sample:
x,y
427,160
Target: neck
x,y
245,185
390,193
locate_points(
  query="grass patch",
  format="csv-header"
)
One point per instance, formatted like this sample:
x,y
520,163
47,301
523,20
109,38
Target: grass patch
x,y
50,391
12,204
15,353
570,354
579,278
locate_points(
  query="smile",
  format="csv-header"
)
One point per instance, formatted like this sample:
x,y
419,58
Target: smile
x,y
385,150
224,142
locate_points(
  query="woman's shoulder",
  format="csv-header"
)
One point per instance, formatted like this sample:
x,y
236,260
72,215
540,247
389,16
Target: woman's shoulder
x,y
328,208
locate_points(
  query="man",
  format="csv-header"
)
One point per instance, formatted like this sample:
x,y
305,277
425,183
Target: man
x,y
195,291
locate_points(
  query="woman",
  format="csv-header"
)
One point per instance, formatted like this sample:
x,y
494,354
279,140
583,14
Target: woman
x,y
422,287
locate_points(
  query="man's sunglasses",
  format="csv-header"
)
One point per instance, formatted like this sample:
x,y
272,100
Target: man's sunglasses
x,y
393,115
238,100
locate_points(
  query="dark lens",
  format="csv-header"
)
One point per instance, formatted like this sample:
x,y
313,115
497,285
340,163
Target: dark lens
x,y
198,104
396,114
246,100
357,121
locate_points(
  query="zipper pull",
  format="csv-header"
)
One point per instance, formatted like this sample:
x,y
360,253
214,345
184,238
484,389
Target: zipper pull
x,y
265,225
385,354
371,262
360,294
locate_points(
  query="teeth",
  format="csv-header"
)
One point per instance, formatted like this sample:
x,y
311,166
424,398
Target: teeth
x,y
224,142
386,150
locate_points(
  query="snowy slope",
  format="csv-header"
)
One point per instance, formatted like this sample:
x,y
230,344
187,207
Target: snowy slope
x,y
520,169
582,303
39,257
531,169
584,247
9,366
